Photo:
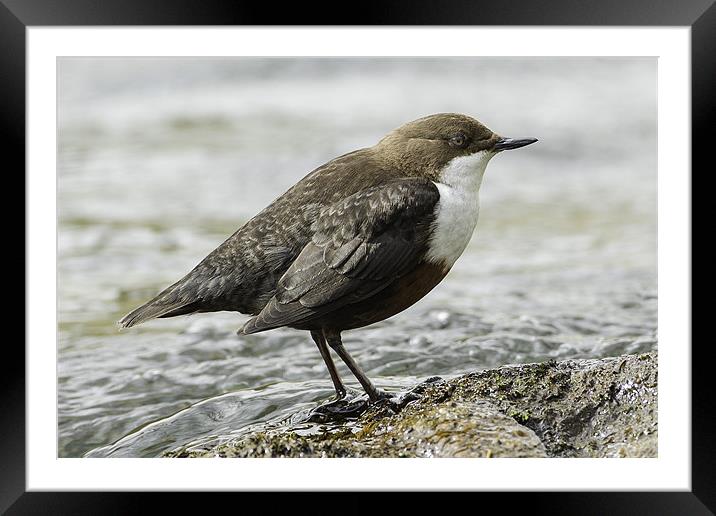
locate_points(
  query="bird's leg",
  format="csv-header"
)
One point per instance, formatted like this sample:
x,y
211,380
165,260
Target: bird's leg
x,y
334,341
341,407
326,354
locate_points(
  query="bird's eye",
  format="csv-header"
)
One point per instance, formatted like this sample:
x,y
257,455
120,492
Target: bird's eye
x,y
458,140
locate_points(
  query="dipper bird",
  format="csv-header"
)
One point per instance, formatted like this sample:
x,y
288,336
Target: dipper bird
x,y
356,241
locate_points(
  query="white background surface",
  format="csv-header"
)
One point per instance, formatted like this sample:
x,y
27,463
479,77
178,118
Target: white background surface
x,y
670,471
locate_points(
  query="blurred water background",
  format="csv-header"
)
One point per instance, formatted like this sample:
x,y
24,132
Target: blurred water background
x,y
159,160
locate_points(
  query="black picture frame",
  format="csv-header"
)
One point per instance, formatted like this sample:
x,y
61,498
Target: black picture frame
x,y
17,15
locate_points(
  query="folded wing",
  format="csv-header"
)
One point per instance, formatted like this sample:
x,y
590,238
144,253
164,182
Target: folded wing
x,y
360,245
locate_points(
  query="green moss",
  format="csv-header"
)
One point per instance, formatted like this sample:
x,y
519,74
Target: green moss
x,y
521,416
576,408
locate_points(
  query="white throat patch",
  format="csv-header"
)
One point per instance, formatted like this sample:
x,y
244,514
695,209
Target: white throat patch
x,y
457,210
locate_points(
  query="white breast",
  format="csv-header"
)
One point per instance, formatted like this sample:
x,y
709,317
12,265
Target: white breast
x,y
457,211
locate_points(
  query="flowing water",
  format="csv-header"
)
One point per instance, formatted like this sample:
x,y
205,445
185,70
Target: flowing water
x,y
159,160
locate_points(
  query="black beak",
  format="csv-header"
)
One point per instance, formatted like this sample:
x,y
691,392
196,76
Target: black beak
x,y
512,143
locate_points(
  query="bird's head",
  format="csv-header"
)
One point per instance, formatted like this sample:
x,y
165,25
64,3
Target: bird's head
x,y
435,145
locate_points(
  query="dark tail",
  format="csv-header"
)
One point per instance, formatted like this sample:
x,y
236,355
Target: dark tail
x,y
169,303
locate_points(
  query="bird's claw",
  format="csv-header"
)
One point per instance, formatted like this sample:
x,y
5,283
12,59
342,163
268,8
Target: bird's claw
x,y
398,403
339,408
345,407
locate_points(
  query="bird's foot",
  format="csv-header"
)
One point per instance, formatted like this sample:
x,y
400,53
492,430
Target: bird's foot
x,y
417,392
398,402
343,406
351,406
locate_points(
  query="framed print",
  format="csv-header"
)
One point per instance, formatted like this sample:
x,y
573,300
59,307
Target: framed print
x,y
277,211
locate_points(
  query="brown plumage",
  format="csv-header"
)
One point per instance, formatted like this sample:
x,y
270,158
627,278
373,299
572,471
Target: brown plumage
x,y
343,248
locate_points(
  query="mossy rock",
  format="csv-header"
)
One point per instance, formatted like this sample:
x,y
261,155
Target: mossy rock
x,y
574,408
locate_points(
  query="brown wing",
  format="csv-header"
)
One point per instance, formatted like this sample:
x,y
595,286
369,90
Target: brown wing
x,y
360,245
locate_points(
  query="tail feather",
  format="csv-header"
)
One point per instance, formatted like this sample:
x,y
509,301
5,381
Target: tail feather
x,y
182,310
164,305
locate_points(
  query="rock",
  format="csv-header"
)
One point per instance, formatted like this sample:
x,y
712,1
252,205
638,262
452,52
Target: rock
x,y
574,408
578,408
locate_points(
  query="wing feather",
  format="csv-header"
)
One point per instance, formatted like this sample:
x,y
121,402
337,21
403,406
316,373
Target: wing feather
x,y
359,246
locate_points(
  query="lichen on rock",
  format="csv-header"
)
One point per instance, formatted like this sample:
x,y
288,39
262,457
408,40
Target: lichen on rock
x,y
574,408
